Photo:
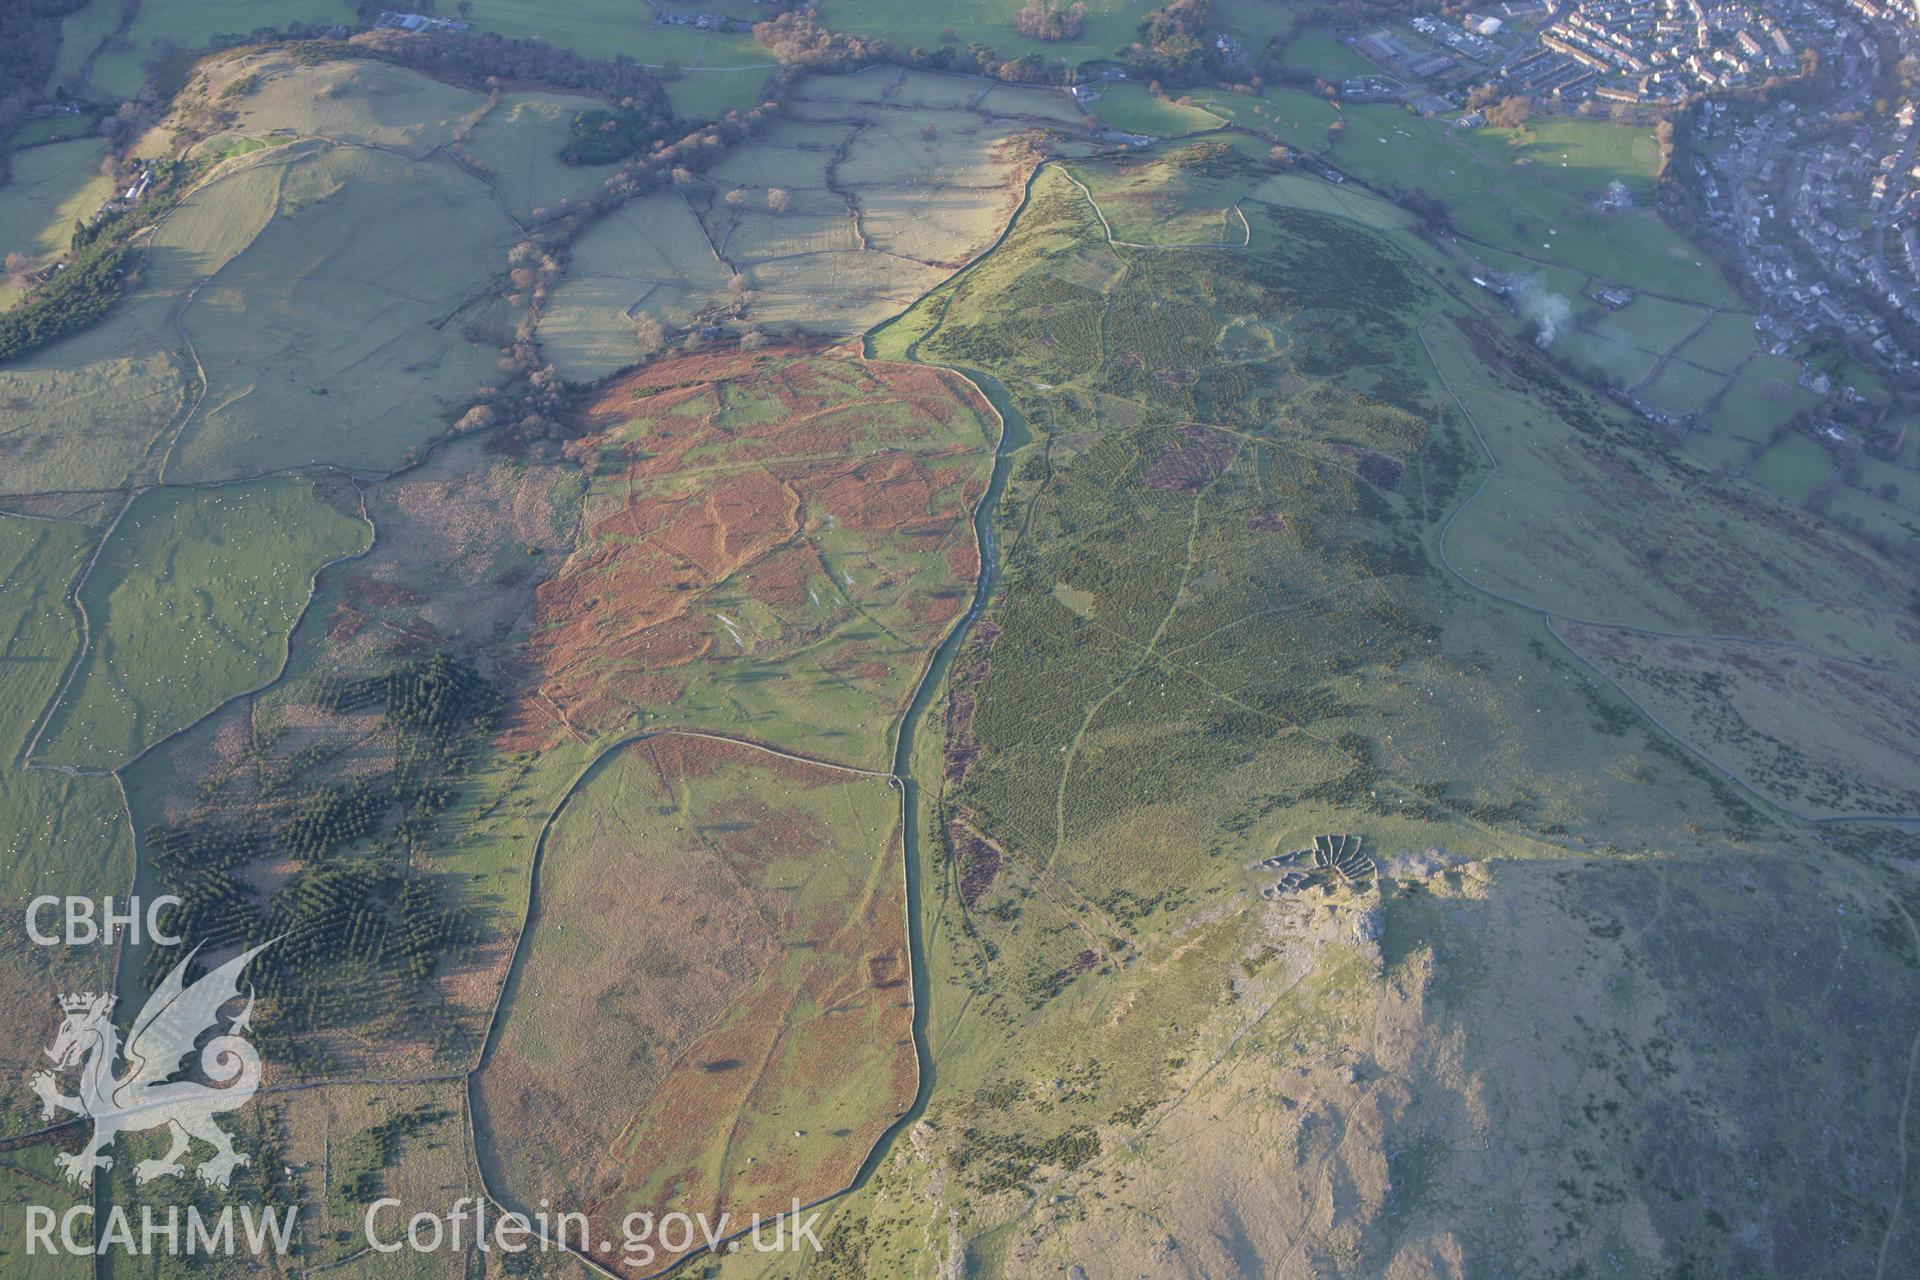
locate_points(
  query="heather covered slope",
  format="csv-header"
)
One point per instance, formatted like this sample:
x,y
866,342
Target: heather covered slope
x,y
1194,748
1272,572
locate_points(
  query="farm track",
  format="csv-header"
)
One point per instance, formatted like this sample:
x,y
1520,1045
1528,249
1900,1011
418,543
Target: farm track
x,y
129,10
1671,354
1548,617
1147,658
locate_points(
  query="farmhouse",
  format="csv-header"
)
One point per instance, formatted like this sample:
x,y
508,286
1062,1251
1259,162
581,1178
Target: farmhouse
x,y
392,21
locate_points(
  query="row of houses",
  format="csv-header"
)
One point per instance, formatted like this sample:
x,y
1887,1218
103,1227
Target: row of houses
x,y
1667,50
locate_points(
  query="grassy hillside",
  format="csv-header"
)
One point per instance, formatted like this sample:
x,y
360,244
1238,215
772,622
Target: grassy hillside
x,y
1531,193
189,604
1131,109
51,186
1330,792
63,834
1228,623
758,959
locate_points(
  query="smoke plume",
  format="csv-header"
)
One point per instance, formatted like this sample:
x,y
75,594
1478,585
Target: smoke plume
x,y
1547,311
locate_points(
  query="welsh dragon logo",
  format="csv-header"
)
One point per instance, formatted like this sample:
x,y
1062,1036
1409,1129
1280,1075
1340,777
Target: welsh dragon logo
x,y
145,1096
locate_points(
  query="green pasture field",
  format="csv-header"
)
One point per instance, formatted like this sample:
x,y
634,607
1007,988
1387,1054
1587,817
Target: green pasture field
x,y
185,25
356,103
893,151
80,34
190,604
1131,109
603,28
84,412
708,93
37,133
649,254
802,172
1317,50
1577,154
1317,195
933,188
1897,521
1876,475
97,408
516,149
222,147
1110,24
805,135
1654,324
1763,396
924,225
899,87
1720,451
1681,388
756,235
381,338
1606,358
1794,468
1295,117
52,187
1256,23
1726,343
1037,105
1501,205
1186,196
59,834
1567,282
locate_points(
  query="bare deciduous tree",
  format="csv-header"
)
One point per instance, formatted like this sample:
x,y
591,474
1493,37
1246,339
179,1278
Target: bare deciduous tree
x,y
649,335
474,419
1510,112
1047,20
